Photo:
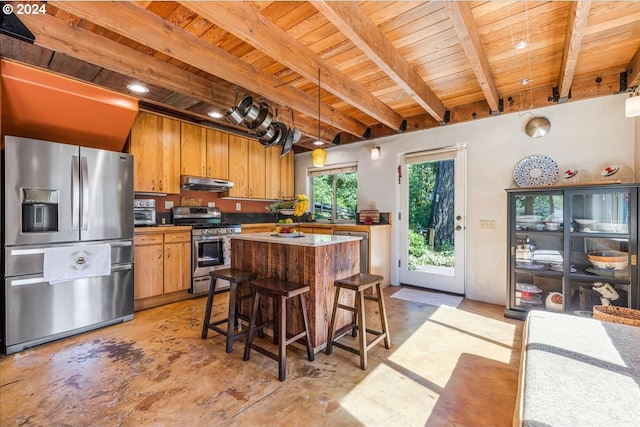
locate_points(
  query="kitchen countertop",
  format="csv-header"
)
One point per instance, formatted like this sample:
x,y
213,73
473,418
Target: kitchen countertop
x,y
313,240
162,229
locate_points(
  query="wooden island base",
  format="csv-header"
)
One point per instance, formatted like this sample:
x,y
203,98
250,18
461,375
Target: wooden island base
x,y
314,260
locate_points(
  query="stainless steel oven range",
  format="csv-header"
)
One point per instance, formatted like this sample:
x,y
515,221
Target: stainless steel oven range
x,y
211,246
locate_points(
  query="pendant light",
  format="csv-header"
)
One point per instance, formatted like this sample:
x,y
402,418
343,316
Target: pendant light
x,y
319,155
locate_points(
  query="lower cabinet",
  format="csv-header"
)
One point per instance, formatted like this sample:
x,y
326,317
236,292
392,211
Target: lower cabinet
x,y
162,264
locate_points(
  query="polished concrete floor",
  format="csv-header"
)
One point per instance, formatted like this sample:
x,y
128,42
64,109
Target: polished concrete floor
x,y
446,367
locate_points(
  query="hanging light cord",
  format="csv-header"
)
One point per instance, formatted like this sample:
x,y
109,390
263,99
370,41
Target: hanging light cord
x,y
515,55
526,19
319,105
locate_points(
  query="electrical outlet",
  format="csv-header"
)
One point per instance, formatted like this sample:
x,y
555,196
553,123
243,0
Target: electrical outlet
x,y
487,224
238,206
211,204
168,204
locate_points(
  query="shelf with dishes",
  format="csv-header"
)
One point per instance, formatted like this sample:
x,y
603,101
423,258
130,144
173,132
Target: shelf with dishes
x,y
578,245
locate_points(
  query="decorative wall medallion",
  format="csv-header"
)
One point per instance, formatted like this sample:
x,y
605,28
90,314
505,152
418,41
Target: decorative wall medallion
x,y
535,171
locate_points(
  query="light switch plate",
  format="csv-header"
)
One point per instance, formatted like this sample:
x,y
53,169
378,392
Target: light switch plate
x,y
211,204
238,206
487,224
168,204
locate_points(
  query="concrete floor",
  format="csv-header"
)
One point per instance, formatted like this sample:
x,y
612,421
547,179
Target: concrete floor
x,y
446,367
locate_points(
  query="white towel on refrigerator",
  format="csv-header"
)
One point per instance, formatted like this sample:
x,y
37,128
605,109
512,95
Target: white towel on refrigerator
x,y
63,264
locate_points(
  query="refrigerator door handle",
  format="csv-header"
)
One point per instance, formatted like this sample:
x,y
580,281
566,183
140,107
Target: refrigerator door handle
x,y
75,193
84,175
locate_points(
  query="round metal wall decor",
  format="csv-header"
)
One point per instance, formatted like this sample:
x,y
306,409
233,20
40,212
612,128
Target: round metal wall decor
x,y
536,171
538,127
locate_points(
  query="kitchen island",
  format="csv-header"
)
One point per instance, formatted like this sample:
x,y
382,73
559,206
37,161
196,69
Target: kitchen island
x,y
316,260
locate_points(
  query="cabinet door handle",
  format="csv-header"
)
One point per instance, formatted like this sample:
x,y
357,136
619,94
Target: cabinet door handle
x,y
159,253
160,185
209,170
168,252
153,184
204,171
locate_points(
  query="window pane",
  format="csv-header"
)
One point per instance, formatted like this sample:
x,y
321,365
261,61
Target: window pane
x,y
323,196
335,196
347,196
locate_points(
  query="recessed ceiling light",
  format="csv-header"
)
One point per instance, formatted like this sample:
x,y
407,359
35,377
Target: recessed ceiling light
x,y
215,114
521,44
524,81
318,143
137,88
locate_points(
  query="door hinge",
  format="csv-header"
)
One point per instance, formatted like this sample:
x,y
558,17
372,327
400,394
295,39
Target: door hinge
x,y
513,251
399,263
399,216
634,260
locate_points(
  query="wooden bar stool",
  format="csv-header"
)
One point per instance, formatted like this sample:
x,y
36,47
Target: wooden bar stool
x,y
235,277
359,283
280,291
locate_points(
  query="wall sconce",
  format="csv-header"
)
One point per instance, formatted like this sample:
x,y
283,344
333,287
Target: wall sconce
x,y
375,153
319,157
632,105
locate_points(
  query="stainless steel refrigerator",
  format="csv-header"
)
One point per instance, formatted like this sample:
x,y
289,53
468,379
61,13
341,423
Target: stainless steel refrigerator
x,y
63,196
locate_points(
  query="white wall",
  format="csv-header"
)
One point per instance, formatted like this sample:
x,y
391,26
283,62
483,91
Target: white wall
x,y
585,135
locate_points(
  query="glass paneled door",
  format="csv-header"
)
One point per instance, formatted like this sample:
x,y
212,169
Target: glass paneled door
x,y
433,220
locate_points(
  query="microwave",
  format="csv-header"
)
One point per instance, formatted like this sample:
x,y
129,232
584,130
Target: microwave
x,y
144,212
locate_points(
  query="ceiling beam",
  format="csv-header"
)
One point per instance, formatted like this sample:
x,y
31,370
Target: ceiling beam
x,y
576,24
62,37
467,30
633,71
243,21
351,21
136,23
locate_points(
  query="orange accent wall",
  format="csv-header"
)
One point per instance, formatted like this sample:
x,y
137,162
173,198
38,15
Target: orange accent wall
x,y
43,105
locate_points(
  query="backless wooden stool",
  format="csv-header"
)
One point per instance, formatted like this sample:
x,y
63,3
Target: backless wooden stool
x,y
235,277
280,291
359,283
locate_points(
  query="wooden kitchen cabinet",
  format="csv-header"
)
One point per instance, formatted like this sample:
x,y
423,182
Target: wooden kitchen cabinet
x,y
217,154
286,176
155,144
193,150
238,172
279,174
256,170
162,265
205,152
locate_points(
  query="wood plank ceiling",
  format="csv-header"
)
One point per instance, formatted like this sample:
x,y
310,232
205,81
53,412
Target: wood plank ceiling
x,y
384,67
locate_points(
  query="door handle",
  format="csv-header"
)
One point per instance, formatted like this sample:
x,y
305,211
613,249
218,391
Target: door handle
x,y
84,174
75,193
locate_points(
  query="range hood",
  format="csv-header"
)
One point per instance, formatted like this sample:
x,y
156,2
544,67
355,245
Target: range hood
x,y
198,183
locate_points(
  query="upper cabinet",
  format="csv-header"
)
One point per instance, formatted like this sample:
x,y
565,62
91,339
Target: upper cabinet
x,y
155,145
193,147
217,154
247,168
165,148
279,174
205,152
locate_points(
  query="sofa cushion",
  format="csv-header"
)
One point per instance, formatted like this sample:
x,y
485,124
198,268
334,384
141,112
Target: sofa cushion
x,y
579,371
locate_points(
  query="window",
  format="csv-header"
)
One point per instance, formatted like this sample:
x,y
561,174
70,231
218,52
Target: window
x,y
334,193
